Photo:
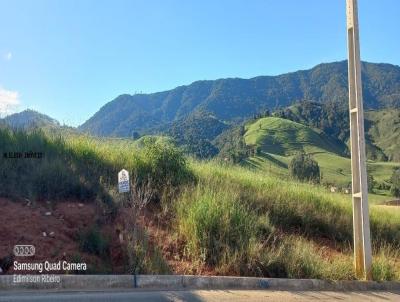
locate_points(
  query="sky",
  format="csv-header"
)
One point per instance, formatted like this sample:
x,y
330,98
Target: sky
x,y
67,58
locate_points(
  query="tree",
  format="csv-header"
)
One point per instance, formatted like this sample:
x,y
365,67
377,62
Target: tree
x,y
135,135
304,168
395,180
201,148
371,183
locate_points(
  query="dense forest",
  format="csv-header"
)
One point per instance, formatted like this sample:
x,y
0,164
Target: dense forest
x,y
234,100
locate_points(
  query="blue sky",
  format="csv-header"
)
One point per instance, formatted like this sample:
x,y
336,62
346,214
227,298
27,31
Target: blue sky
x,y
68,58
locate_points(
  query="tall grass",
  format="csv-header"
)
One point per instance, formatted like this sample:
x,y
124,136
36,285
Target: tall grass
x,y
231,219
81,167
277,227
386,263
223,232
303,208
215,223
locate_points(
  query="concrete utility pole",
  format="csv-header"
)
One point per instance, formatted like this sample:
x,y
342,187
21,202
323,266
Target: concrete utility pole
x,y
362,240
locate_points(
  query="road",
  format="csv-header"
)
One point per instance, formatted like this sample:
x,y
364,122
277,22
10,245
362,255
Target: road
x,y
200,295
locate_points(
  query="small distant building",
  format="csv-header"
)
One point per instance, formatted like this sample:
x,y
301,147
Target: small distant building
x,y
395,202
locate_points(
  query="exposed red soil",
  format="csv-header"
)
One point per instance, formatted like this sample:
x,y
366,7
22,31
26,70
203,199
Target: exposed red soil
x,y
25,223
158,229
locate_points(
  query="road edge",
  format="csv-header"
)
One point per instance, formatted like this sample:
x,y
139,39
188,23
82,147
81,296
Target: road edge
x,y
93,282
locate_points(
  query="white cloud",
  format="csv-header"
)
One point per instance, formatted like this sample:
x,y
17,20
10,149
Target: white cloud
x,y
9,101
8,56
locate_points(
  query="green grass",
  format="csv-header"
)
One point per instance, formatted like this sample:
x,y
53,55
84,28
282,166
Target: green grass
x,y
288,220
93,242
77,167
215,224
279,139
284,137
296,205
233,219
69,168
81,167
383,127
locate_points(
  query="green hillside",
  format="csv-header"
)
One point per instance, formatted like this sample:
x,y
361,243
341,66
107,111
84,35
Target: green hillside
x,y
285,137
383,128
278,139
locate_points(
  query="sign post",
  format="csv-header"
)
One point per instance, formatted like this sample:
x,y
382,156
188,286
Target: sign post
x,y
123,181
361,229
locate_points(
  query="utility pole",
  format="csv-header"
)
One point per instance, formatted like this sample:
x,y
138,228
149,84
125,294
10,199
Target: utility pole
x,y
362,240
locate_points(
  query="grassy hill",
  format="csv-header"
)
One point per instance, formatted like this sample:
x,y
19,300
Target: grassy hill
x,y
278,139
383,128
204,217
284,137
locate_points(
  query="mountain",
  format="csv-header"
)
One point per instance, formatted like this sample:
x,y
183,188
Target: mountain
x,y
232,100
29,119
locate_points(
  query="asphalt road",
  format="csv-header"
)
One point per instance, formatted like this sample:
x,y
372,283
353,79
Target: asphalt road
x,y
201,295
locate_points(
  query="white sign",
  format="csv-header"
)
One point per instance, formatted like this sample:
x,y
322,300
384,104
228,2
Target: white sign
x,y
123,181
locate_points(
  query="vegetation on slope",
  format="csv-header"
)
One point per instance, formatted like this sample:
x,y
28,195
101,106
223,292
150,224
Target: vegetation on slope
x,y
287,223
196,132
29,119
284,137
80,167
228,219
383,128
238,99
279,139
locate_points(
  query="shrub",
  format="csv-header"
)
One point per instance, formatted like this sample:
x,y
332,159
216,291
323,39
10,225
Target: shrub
x,y
383,186
304,168
371,183
92,241
165,164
